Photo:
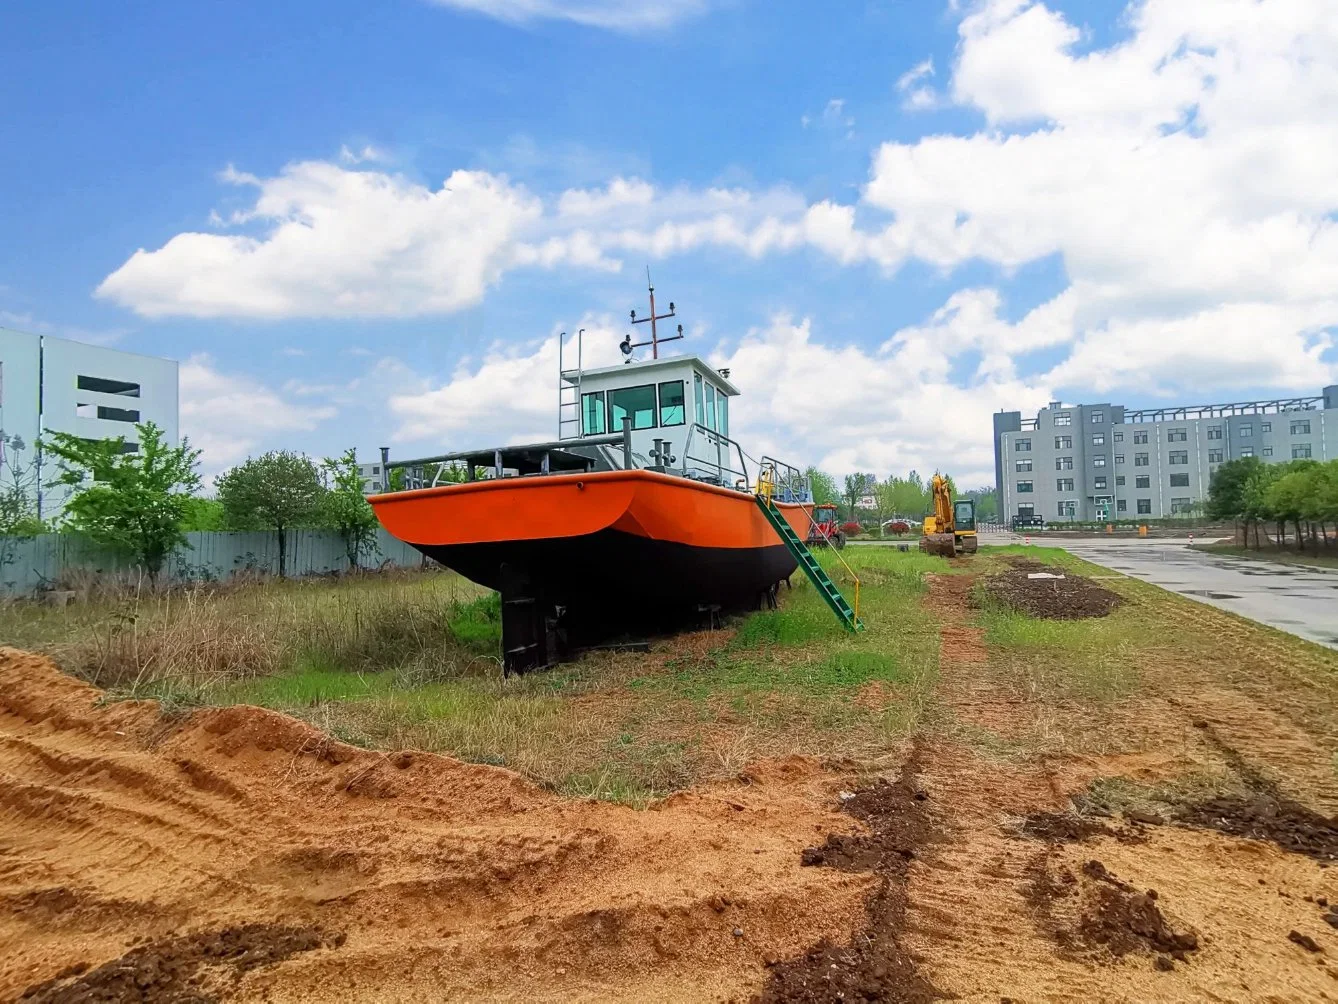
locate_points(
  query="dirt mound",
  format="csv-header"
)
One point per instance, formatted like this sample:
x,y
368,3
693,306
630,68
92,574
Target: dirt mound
x,y
1124,920
1066,598
456,881
1269,816
1063,827
181,970
874,965
1094,911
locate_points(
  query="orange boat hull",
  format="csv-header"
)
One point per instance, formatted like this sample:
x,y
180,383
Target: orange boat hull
x,y
603,549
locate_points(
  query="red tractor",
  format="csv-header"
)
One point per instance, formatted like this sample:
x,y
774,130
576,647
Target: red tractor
x,y
825,531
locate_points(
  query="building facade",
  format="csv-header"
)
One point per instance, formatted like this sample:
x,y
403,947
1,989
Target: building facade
x,y
1079,462
56,385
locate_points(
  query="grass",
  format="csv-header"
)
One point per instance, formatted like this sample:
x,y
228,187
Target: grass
x,y
1278,555
410,661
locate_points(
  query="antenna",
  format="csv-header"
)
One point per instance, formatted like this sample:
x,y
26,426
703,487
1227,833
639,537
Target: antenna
x,y
655,338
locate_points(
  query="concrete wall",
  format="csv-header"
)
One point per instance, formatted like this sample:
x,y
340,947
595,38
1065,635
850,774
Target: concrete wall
x,y
40,562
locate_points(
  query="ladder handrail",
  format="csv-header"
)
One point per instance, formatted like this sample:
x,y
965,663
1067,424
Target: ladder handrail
x,y
765,487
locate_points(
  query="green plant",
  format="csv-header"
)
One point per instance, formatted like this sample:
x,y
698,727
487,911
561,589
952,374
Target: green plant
x,y
345,509
132,501
278,491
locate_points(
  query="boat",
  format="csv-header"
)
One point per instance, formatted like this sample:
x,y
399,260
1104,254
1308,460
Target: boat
x,y
643,514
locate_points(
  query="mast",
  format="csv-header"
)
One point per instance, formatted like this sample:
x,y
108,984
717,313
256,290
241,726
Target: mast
x,y
654,342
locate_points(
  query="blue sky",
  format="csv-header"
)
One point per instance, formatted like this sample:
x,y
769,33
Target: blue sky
x,y
1075,201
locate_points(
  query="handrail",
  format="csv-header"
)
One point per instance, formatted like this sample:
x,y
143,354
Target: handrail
x,y
791,479
721,466
766,484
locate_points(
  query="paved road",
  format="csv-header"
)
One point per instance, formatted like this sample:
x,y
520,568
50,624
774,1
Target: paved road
x,y
1301,600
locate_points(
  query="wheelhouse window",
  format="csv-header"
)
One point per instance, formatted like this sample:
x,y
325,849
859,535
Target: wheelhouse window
x,y
722,413
592,414
636,403
671,403
710,407
699,397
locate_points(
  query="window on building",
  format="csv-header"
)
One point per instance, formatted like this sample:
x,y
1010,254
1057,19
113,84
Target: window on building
x,y
1098,417
1063,463
1024,465
1118,437
118,414
1265,426
103,386
1099,439
1022,445
1177,435
1099,461
1122,505
376,486
1301,451
376,471
1143,481
1063,418
1214,456
1140,459
1181,505
1214,432
1063,484
592,414
1179,480
1301,428
1068,507
1063,442
1178,457
1098,484
1140,437
1267,451
671,403
1119,480
1026,509
1144,506
1247,430
1119,459
1247,451
1023,487
636,403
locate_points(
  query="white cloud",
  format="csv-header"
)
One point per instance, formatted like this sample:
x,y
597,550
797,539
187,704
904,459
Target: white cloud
x,y
368,154
618,15
897,406
918,72
230,415
1187,177
510,395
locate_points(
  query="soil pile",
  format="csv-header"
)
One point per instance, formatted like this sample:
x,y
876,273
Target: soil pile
x,y
1059,595
1267,815
1123,920
187,969
874,965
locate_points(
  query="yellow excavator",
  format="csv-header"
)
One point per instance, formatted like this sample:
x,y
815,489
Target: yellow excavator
x,y
951,528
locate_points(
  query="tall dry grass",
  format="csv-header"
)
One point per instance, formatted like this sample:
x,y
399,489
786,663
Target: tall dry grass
x,y
210,635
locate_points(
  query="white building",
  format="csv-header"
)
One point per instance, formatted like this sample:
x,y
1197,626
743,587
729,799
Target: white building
x,y
56,385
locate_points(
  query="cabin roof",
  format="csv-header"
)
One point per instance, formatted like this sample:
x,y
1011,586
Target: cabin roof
x,y
669,362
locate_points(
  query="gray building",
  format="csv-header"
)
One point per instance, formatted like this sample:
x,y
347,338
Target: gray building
x,y
1072,461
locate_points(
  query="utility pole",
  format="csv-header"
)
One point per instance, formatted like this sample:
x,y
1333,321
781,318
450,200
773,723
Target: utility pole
x,y
655,339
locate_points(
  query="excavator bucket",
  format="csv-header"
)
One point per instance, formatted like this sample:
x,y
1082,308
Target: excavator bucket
x,y
943,544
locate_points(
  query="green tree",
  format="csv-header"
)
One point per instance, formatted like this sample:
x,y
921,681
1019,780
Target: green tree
x,y
18,499
1227,491
131,502
857,485
202,514
987,503
345,509
280,491
824,486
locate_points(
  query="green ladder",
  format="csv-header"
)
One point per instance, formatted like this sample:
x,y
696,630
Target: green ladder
x,y
809,564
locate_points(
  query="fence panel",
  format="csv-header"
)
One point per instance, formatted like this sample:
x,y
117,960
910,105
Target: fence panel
x,y
31,564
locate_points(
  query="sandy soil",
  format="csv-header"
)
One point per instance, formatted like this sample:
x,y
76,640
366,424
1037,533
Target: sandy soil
x,y
447,880
241,855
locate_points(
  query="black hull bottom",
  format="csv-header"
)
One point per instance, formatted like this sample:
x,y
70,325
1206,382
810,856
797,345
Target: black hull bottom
x,y
564,593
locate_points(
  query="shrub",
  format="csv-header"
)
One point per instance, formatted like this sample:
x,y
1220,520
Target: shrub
x,y
851,529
